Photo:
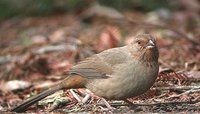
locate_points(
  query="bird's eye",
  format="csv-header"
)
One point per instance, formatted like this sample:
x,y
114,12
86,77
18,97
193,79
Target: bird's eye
x,y
138,42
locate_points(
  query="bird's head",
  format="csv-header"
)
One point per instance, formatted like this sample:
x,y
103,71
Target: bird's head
x,y
144,47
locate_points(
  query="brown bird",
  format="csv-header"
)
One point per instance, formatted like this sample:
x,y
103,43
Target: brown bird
x,y
116,73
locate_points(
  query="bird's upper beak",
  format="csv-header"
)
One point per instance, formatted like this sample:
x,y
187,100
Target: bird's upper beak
x,y
150,44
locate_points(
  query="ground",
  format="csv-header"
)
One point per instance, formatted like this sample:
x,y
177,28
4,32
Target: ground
x,y
36,51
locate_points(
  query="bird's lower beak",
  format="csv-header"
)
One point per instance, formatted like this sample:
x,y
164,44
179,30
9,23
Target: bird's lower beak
x,y
150,44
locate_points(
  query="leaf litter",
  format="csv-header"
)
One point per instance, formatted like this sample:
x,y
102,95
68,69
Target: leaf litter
x,y
53,50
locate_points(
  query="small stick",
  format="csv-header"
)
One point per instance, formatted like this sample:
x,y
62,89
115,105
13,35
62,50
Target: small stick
x,y
177,88
75,95
185,93
86,98
152,104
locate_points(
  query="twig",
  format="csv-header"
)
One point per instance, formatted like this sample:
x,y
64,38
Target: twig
x,y
86,98
152,104
75,95
176,88
185,93
53,48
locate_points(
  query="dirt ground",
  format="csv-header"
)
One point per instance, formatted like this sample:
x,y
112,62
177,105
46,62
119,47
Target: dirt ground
x,y
36,51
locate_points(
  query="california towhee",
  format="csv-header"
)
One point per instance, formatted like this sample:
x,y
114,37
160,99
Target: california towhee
x,y
116,73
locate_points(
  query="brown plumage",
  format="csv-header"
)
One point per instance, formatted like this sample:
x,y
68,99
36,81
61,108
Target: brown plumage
x,y
116,73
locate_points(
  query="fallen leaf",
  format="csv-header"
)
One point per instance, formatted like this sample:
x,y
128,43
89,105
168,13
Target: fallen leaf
x,y
109,38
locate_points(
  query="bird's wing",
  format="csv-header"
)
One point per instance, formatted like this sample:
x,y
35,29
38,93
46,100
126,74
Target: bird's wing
x,y
92,67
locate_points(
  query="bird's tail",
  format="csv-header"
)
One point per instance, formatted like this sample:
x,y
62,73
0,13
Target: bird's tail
x,y
22,107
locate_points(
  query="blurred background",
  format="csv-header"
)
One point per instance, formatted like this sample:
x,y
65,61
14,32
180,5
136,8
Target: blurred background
x,y
13,8
25,22
41,39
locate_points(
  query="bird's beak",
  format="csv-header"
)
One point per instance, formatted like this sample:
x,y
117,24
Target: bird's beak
x,y
150,44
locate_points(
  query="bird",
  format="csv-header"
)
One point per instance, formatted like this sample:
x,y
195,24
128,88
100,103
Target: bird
x,y
114,74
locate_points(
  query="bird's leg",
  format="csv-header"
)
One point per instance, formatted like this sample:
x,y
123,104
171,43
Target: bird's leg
x,y
107,104
88,92
129,102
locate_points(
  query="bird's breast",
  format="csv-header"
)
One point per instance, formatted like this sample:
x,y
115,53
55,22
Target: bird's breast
x,y
127,80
